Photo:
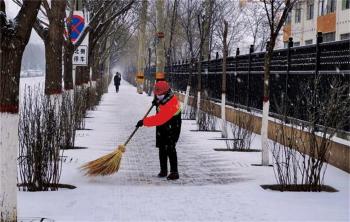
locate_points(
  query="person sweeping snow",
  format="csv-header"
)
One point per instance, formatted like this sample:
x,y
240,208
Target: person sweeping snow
x,y
168,126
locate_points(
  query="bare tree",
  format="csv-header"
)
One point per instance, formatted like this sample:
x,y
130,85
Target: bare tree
x,y
174,16
141,53
40,162
188,20
97,27
227,37
302,148
122,39
50,29
204,24
96,43
14,37
223,85
52,35
257,25
160,52
276,12
242,132
236,29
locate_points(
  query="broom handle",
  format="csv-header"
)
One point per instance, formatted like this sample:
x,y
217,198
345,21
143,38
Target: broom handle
x,y
132,134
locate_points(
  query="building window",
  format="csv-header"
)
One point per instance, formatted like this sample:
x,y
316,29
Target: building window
x,y
308,42
329,37
289,18
298,13
326,6
331,6
295,44
321,7
345,4
344,36
310,10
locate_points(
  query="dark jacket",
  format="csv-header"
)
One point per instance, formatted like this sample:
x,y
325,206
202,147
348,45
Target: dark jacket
x,y
167,120
116,80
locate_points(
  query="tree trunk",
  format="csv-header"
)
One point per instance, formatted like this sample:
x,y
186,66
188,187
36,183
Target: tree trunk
x,y
79,76
95,69
223,93
53,77
209,4
188,88
9,91
266,104
86,74
13,40
160,46
141,54
276,21
53,49
68,67
199,83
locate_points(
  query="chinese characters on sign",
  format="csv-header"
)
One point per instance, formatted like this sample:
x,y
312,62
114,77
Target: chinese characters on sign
x,y
80,56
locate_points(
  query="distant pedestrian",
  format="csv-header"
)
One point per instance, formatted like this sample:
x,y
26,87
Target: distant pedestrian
x,y
117,79
168,123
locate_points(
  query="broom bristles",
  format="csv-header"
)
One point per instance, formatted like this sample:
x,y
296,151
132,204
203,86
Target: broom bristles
x,y
105,165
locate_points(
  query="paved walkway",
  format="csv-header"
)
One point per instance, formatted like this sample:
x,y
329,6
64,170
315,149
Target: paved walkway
x,y
198,165
213,186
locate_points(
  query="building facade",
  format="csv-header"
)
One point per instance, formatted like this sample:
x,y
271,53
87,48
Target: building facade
x,y
331,17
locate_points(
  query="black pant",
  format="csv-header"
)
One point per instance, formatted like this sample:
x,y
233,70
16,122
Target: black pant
x,y
117,88
165,152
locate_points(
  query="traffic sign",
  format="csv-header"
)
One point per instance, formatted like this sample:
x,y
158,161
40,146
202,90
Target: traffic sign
x,y
76,25
80,56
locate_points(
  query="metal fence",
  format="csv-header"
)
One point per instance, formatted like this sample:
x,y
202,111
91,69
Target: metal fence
x,y
290,68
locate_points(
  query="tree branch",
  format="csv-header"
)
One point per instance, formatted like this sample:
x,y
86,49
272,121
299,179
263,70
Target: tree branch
x,y
286,10
26,17
2,6
47,9
2,13
40,29
106,23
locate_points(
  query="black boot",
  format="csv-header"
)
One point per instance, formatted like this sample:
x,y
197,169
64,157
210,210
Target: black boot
x,y
162,174
163,160
173,176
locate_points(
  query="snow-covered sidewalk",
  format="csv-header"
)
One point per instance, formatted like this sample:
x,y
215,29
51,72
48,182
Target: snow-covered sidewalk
x,y
213,186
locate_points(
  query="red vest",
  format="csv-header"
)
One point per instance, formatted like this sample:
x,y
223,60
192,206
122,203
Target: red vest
x,y
165,113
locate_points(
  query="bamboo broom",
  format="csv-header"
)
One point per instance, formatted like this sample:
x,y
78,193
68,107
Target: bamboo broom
x,y
110,163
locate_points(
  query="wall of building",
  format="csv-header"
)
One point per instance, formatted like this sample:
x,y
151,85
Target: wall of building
x,y
343,21
338,22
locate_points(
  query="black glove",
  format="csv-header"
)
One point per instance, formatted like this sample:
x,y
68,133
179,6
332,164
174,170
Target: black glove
x,y
139,123
155,102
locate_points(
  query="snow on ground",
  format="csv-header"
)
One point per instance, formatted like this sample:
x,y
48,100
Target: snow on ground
x,y
213,186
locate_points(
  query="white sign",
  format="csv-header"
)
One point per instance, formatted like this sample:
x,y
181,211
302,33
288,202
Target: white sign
x,y
80,56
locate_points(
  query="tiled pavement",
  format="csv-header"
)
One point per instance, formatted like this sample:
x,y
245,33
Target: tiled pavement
x,y
115,118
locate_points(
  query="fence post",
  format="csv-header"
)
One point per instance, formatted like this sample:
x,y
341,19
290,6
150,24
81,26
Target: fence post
x,y
290,45
235,77
251,50
216,67
319,40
